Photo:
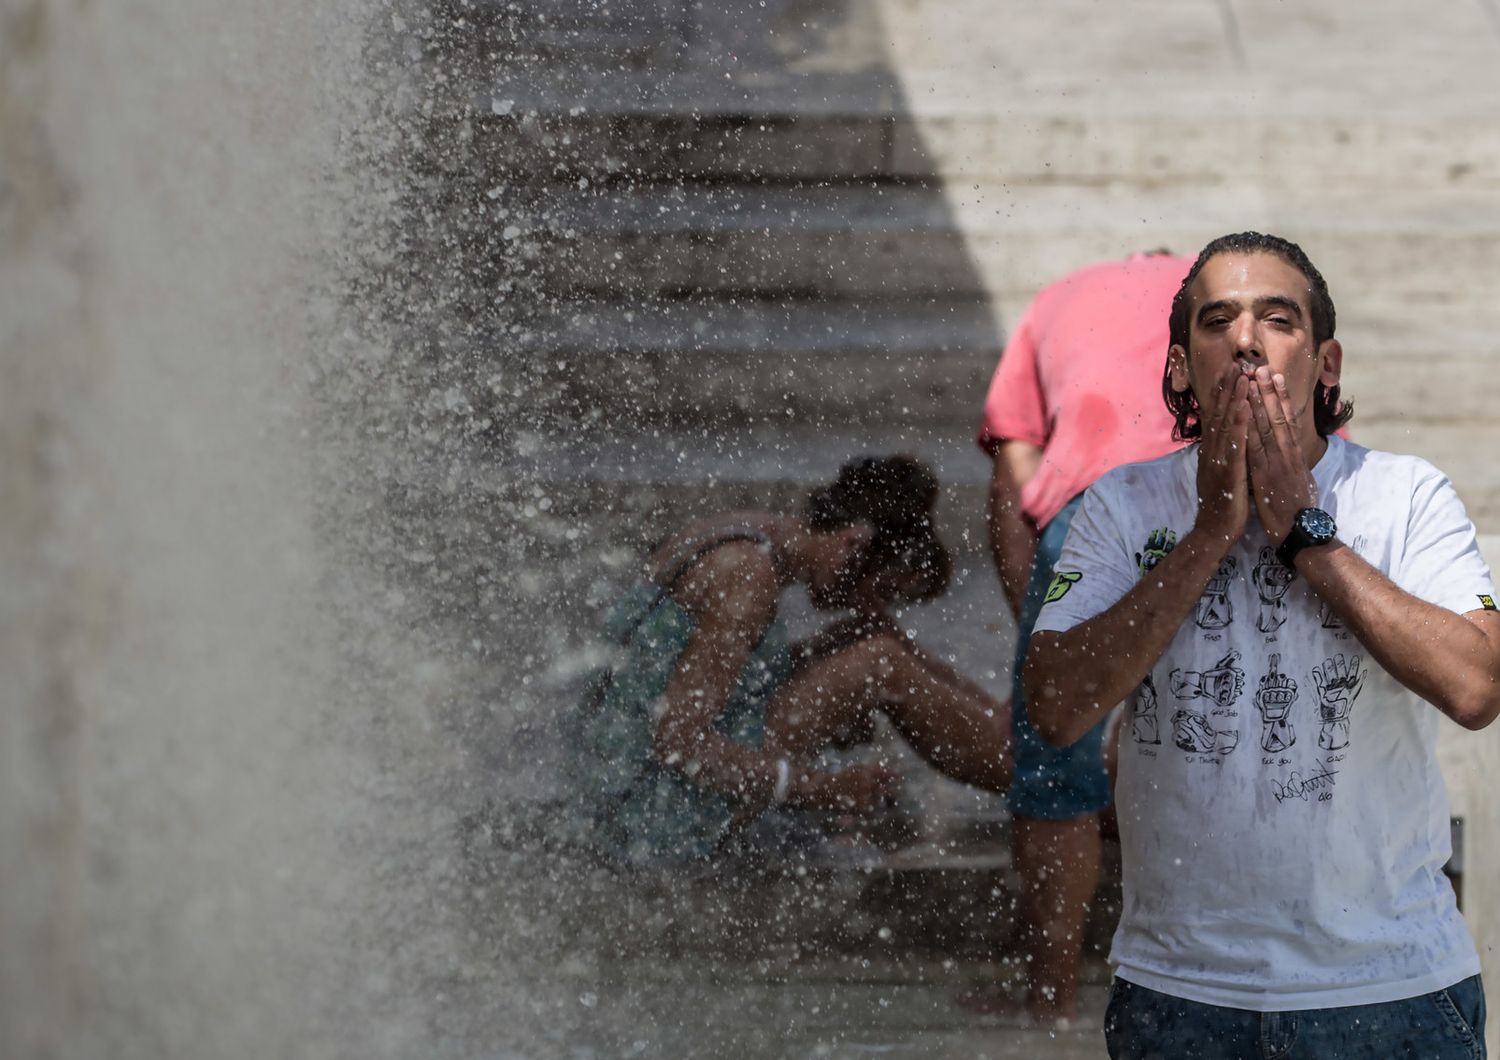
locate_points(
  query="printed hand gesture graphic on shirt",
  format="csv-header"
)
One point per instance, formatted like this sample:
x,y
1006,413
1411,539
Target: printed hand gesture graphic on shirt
x,y
1338,686
1192,732
1222,683
1214,610
1143,714
1274,699
1158,544
1271,582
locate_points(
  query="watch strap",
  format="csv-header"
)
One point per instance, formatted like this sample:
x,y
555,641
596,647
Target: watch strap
x,y
1298,539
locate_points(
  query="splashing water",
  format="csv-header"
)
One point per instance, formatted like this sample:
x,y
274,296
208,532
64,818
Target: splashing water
x,y
216,799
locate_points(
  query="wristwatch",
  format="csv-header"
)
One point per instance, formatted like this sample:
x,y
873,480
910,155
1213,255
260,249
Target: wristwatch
x,y
1310,527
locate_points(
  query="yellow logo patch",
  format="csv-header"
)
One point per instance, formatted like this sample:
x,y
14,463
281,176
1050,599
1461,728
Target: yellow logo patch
x,y
1062,581
1487,602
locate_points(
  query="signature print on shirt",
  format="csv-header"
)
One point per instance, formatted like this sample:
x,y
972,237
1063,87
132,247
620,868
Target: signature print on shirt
x,y
1143,727
1338,684
1214,609
1274,699
1271,583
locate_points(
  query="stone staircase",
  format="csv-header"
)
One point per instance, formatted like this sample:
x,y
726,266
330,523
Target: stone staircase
x,y
738,259
821,214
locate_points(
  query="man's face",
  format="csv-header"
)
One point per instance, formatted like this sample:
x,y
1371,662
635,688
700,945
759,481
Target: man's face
x,y
1253,309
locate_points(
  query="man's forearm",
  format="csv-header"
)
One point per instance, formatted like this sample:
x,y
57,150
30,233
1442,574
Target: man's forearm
x,y
1440,655
1073,679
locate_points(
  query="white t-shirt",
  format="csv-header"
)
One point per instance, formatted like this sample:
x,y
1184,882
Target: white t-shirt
x,y
1283,820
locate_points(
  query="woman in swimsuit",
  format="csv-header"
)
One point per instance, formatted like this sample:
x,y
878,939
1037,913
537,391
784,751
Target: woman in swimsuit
x,y
708,715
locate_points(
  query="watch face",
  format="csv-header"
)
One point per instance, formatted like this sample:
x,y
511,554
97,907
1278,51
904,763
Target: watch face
x,y
1316,524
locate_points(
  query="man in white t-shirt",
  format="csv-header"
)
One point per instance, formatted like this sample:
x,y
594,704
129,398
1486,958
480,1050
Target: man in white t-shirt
x,y
1284,610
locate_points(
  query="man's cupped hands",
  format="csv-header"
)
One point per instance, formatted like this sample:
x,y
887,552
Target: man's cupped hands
x,y
1251,453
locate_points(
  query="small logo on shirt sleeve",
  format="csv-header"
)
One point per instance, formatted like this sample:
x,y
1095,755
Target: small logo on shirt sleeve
x,y
1062,581
1487,602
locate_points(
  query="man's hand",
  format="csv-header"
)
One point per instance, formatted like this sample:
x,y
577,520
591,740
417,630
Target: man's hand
x,y
1223,480
1279,478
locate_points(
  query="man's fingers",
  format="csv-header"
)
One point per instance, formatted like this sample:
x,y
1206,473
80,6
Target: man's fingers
x,y
1285,400
1237,414
1276,407
1261,413
1221,402
1255,445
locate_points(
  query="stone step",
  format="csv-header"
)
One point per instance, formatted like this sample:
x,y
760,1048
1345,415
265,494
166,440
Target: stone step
x,y
630,476
696,128
602,36
1420,153
893,239
1251,57
514,131
748,361
904,88
743,362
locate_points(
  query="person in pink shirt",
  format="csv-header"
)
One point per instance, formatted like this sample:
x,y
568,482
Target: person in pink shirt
x,y
1076,394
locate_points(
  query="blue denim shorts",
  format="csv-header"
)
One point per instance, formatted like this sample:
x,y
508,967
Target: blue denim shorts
x,y
1142,1024
1051,783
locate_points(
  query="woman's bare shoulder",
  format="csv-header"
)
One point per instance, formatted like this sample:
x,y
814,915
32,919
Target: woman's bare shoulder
x,y
707,532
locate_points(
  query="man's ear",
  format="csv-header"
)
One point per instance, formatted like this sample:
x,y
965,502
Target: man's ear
x,y
1330,362
1177,369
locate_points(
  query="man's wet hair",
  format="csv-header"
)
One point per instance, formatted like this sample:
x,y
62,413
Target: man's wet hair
x,y
1330,411
895,496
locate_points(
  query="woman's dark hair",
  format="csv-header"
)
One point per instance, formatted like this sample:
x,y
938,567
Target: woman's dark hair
x,y
895,495
1329,411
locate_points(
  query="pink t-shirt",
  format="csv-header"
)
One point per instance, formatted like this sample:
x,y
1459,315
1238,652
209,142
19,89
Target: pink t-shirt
x,y
1081,377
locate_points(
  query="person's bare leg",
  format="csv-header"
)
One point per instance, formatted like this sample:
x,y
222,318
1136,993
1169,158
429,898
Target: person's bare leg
x,y
954,725
1109,820
1058,862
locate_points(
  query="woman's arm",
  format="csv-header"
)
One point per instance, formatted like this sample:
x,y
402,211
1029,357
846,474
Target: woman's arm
x,y
732,595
